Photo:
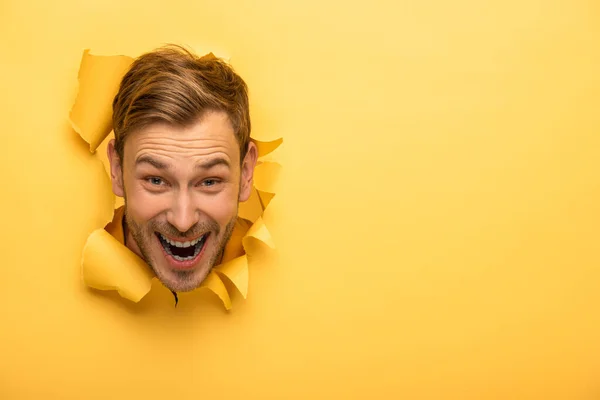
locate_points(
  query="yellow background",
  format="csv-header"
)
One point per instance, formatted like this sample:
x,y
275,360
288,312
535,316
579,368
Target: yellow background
x,y
437,223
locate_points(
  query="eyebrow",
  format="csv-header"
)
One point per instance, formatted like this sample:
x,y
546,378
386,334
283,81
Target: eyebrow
x,y
161,165
152,161
213,163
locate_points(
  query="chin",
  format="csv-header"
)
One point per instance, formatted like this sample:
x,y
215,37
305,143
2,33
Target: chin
x,y
180,283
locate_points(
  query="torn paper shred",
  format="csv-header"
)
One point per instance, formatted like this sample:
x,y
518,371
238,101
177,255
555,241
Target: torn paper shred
x,y
265,181
103,258
99,80
216,285
109,265
236,271
252,208
265,148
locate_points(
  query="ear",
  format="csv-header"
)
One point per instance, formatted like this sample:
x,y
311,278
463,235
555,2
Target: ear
x,y
116,169
248,171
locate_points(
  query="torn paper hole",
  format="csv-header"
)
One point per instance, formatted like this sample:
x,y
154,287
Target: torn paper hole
x,y
107,264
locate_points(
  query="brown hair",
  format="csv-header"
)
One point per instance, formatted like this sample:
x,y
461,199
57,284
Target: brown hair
x,y
173,85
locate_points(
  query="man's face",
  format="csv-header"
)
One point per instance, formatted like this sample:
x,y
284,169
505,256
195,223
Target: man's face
x,y
181,188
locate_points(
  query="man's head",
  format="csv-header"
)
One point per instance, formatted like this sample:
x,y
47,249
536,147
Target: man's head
x,y
182,159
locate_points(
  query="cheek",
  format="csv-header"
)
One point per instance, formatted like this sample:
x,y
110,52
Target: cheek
x,y
221,207
142,206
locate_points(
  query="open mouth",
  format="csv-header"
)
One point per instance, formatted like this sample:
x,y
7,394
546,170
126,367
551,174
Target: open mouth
x,y
182,251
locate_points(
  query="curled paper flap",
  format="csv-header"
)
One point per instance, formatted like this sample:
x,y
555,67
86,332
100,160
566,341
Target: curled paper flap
x,y
99,80
265,176
265,148
103,259
252,208
216,285
257,232
263,191
236,271
107,264
265,198
208,56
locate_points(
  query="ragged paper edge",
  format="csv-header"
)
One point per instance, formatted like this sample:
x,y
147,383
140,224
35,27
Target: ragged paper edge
x,y
96,242
98,79
265,175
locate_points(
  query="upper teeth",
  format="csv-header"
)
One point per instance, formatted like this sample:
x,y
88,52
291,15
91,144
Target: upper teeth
x,y
181,244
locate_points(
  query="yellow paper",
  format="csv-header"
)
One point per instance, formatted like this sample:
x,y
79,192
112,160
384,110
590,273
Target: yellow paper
x,y
437,224
215,285
236,271
265,148
265,197
99,79
257,235
266,175
265,181
104,258
252,208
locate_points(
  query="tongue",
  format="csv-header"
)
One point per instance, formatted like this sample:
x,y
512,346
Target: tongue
x,y
182,251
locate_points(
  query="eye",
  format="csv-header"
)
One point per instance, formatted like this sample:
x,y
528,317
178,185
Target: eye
x,y
155,184
209,182
155,181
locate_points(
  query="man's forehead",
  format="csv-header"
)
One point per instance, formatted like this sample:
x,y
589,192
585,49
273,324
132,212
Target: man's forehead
x,y
208,136
214,124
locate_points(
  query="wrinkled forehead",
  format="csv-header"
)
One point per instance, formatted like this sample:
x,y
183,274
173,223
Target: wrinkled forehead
x,y
210,136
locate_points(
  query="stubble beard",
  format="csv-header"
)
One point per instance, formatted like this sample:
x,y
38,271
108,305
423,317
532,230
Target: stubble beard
x,y
185,280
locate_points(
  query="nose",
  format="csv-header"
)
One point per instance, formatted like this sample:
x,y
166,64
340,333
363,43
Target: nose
x,y
183,214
